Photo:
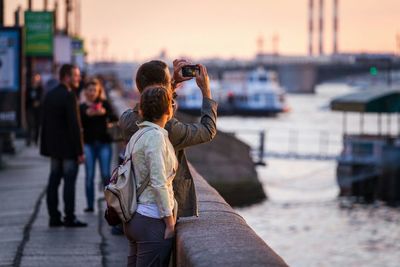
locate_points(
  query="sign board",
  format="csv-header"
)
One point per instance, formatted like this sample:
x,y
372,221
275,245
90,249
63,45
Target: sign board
x,y
39,31
77,46
62,50
10,78
78,53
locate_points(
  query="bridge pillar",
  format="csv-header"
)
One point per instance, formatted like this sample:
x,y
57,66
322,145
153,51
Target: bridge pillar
x,y
298,78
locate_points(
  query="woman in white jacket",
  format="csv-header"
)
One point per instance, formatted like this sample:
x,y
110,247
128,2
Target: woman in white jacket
x,y
151,230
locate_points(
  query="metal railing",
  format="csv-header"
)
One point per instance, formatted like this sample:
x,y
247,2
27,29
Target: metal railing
x,y
291,143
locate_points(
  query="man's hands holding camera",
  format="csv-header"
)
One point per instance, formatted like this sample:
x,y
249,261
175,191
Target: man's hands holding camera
x,y
177,76
197,71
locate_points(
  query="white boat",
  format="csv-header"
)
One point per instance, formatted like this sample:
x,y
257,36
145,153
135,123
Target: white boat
x,y
256,93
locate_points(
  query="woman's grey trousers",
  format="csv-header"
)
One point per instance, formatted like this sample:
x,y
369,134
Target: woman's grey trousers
x,y
147,246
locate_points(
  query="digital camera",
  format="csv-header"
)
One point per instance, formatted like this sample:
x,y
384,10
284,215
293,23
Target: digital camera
x,y
190,70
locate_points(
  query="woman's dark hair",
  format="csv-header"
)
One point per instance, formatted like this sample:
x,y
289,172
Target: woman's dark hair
x,y
151,73
154,102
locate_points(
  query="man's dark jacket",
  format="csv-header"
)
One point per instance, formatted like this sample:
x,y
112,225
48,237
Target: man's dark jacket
x,y
61,135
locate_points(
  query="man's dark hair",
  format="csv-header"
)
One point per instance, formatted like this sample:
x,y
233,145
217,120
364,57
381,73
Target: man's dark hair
x,y
66,70
154,102
151,73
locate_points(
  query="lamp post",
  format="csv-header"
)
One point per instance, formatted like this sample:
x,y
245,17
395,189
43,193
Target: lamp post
x,y
17,16
1,13
68,9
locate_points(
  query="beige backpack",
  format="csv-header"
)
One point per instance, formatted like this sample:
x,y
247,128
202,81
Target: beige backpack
x,y
121,194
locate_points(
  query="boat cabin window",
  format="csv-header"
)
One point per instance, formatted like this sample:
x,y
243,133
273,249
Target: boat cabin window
x,y
256,98
262,78
363,149
241,99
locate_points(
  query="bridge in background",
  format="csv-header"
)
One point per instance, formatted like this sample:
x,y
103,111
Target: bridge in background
x,y
300,74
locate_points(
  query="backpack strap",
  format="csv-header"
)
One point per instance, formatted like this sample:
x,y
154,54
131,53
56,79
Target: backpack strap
x,y
143,186
147,180
137,139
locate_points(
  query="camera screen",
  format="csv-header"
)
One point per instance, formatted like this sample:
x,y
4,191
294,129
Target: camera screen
x,y
190,70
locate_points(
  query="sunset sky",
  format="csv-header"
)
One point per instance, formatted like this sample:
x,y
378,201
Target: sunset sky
x,y
138,30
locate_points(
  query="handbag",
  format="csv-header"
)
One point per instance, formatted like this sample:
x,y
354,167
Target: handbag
x,y
120,194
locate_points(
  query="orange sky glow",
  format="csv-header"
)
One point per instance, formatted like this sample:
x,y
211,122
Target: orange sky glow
x,y
138,30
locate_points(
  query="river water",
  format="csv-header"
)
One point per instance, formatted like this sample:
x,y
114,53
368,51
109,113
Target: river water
x,y
303,220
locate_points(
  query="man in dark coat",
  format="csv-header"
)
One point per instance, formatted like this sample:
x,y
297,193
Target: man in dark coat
x,y
61,140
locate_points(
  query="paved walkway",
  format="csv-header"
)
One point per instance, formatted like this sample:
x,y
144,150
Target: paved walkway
x,y
26,239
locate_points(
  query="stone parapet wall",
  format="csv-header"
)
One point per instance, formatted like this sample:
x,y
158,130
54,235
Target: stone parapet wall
x,y
219,236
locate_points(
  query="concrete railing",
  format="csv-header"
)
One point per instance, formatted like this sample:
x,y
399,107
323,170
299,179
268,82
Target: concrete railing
x,y
219,236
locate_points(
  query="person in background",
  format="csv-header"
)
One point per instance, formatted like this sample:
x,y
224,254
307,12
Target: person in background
x,y
34,94
152,228
61,140
97,114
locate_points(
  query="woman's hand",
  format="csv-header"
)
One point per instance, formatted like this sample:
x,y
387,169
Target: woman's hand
x,y
101,111
81,159
169,227
169,232
95,112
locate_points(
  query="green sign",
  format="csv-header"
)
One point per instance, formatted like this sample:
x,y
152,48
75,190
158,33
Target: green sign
x,y
39,31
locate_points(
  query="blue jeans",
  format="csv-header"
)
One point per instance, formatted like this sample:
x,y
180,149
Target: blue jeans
x,y
67,169
93,152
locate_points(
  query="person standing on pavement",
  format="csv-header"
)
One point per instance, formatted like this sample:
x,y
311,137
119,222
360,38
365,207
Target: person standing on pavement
x,y
96,114
34,94
181,135
61,140
151,230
